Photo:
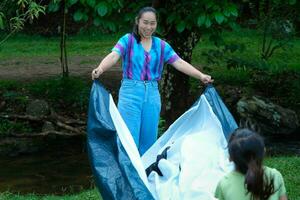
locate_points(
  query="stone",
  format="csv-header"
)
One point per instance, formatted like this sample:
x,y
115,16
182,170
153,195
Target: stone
x,y
268,117
37,108
48,126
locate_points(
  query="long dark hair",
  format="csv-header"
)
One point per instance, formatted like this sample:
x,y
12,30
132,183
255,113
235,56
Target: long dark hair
x,y
137,18
246,150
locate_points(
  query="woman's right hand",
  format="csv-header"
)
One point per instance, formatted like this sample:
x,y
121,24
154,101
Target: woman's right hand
x,y
96,73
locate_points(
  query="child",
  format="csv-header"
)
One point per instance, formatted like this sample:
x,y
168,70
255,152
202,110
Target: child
x,y
250,180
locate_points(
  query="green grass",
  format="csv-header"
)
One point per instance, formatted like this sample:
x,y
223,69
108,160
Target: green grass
x,y
34,46
252,41
85,195
91,44
74,90
7,127
288,166
290,170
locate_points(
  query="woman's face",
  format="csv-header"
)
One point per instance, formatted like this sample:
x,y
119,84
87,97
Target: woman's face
x,y
147,24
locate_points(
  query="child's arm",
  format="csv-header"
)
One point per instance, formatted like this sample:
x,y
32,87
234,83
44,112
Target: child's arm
x,y
283,197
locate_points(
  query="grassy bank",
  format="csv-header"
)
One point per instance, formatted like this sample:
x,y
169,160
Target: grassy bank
x,y
288,166
86,195
34,46
252,41
290,170
100,44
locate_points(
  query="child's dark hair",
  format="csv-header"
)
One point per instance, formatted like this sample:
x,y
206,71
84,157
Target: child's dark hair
x,y
246,150
139,15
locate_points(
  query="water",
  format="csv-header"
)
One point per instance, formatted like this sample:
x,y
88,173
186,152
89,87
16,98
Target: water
x,y
61,168
283,145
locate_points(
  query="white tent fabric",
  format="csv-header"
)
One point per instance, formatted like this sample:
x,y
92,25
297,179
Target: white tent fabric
x,y
197,158
127,141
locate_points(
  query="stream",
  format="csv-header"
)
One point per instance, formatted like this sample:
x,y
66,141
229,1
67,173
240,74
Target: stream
x,y
63,166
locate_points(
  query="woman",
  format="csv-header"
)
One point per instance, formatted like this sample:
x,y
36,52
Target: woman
x,y
250,180
143,57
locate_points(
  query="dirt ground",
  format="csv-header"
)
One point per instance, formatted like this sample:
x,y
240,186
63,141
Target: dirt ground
x,y
27,69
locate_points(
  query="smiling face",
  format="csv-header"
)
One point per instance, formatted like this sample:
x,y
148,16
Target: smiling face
x,y
147,24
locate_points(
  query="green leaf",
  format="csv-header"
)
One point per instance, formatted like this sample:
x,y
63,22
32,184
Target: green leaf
x,y
112,26
1,23
209,4
53,6
201,20
219,17
233,10
226,12
120,2
171,18
234,26
85,17
91,3
180,27
72,2
97,21
102,9
292,2
207,22
78,16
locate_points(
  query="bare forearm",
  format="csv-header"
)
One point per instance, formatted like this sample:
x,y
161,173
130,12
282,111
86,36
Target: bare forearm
x,y
109,61
187,69
284,197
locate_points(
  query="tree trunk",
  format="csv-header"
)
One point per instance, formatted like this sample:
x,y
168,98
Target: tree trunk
x,y
63,50
175,85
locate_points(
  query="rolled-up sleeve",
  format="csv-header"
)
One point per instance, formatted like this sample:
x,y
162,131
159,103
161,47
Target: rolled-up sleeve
x,y
280,184
170,56
121,45
219,193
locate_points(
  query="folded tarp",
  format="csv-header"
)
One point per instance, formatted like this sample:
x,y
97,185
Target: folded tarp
x,y
194,147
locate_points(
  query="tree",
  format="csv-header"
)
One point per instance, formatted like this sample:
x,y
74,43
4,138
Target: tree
x,y
99,12
15,13
275,19
276,24
182,23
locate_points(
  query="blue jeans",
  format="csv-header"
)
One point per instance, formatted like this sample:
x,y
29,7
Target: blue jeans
x,y
139,105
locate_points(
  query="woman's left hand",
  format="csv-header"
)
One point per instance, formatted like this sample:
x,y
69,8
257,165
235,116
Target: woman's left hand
x,y
206,79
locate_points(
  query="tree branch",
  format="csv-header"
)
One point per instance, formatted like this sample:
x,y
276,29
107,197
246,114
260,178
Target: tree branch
x,y
47,133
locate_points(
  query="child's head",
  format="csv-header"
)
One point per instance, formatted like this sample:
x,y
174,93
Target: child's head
x,y
246,149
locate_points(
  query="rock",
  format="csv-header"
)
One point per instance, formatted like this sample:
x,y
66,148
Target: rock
x,y
48,126
2,105
37,108
268,117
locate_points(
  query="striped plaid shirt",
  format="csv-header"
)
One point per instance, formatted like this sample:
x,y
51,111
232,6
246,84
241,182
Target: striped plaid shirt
x,y
139,64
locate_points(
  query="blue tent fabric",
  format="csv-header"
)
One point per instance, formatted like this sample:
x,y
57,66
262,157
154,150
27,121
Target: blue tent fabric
x,y
220,110
115,175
